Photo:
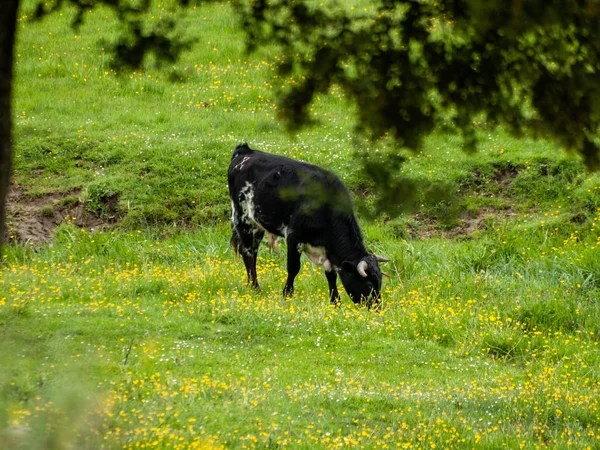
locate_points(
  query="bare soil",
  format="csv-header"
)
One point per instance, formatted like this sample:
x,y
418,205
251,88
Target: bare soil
x,y
33,218
429,227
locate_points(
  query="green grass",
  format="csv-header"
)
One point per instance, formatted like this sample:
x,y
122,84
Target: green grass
x,y
164,339
146,335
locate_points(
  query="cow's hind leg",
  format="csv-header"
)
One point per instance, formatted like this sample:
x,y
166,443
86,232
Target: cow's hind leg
x,y
293,266
245,241
334,295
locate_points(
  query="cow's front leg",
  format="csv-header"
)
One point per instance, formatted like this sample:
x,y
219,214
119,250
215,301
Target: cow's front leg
x,y
293,266
334,295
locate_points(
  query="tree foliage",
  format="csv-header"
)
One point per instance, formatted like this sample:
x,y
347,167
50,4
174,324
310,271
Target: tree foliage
x,y
410,65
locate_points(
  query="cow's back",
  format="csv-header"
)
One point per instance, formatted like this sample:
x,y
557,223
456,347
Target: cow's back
x,y
283,189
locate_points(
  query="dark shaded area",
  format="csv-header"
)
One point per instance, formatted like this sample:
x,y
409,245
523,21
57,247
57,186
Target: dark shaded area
x,y
8,23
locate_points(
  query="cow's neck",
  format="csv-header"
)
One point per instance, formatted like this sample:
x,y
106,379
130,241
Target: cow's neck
x,y
347,243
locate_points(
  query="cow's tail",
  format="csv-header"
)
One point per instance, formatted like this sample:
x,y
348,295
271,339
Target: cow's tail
x,y
242,149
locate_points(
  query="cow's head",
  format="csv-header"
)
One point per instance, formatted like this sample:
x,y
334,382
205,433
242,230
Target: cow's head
x,y
362,280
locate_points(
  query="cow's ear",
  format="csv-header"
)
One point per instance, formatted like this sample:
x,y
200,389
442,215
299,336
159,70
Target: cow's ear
x,y
349,267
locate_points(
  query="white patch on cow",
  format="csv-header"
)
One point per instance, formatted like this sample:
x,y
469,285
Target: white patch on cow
x,y
233,214
247,203
285,231
240,165
317,255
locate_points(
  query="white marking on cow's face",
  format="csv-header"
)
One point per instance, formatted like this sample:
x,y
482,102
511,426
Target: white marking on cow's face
x,y
285,231
240,165
317,255
247,203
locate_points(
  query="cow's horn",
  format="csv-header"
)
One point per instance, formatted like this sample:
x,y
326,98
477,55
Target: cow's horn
x,y
381,258
361,268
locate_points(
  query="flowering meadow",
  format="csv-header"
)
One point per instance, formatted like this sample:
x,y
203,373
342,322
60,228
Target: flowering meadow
x,y
159,344
140,331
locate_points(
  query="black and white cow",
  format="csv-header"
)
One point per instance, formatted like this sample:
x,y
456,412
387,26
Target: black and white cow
x,y
311,208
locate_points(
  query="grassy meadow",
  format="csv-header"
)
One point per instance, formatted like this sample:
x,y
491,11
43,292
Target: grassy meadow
x,y
131,326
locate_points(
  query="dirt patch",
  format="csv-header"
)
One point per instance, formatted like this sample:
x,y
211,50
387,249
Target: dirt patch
x,y
505,177
428,226
501,178
33,218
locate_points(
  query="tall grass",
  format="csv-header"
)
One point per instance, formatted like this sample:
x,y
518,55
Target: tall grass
x,y
146,335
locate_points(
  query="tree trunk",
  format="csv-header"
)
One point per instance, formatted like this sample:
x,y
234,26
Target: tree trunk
x,y
8,27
